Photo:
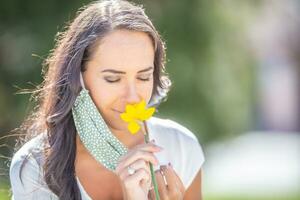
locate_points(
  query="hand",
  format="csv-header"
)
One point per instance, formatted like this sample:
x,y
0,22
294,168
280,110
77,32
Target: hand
x,y
174,190
137,185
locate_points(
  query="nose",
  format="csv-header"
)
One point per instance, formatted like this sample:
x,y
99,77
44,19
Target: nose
x,y
132,95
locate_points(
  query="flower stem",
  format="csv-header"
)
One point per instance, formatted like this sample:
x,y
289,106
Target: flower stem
x,y
151,166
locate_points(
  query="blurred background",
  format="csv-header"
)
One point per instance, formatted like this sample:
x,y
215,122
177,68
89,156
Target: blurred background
x,y
235,70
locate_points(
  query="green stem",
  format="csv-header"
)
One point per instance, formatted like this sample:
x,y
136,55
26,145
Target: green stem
x,y
151,166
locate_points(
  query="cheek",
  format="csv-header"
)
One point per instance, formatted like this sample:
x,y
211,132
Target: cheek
x,y
100,96
103,98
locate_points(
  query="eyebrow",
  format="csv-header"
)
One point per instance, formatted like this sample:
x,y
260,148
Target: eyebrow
x,y
121,72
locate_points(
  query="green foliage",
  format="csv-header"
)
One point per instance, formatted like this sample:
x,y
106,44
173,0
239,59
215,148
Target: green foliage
x,y
209,63
252,198
4,190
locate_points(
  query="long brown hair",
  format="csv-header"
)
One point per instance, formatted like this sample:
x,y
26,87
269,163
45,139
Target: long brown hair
x,y
61,85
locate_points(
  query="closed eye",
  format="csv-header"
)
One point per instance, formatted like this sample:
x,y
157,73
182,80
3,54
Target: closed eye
x,y
144,79
111,79
117,79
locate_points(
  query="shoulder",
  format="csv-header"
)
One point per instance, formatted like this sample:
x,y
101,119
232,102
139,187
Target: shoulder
x,y
177,139
30,152
31,149
25,173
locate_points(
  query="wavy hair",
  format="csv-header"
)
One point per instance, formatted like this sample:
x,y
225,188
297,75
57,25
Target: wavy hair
x,y
56,95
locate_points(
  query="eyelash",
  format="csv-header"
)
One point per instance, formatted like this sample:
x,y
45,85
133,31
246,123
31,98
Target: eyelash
x,y
115,81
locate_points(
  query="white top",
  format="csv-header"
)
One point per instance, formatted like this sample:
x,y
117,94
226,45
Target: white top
x,y
181,148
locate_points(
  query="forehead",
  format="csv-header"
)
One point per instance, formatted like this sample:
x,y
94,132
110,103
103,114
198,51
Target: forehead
x,y
123,49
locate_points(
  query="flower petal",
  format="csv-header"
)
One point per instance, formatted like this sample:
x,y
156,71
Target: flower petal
x,y
141,106
130,109
147,113
126,117
133,127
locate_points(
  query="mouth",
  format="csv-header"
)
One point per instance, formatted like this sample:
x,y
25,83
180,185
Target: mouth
x,y
117,111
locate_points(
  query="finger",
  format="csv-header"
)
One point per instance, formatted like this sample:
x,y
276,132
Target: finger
x,y
150,147
170,177
179,181
147,156
173,180
138,164
135,179
151,193
145,146
145,184
162,188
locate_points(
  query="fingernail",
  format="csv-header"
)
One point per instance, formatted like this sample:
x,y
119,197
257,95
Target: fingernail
x,y
163,167
159,148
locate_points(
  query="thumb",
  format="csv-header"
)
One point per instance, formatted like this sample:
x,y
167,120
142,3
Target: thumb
x,y
151,194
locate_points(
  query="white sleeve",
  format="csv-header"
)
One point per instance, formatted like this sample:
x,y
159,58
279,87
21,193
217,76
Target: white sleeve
x,y
184,150
194,161
28,185
192,157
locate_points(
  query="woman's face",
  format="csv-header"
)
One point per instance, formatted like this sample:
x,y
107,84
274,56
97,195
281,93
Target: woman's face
x,y
120,72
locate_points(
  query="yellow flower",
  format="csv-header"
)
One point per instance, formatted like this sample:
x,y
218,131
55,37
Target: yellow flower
x,y
135,114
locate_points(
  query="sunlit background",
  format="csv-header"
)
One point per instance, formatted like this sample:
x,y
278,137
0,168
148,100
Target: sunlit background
x,y
235,70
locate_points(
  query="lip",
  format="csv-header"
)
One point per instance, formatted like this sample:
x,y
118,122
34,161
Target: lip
x,y
117,111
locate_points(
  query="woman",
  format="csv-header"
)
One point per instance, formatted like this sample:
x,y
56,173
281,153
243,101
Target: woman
x,y
109,56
